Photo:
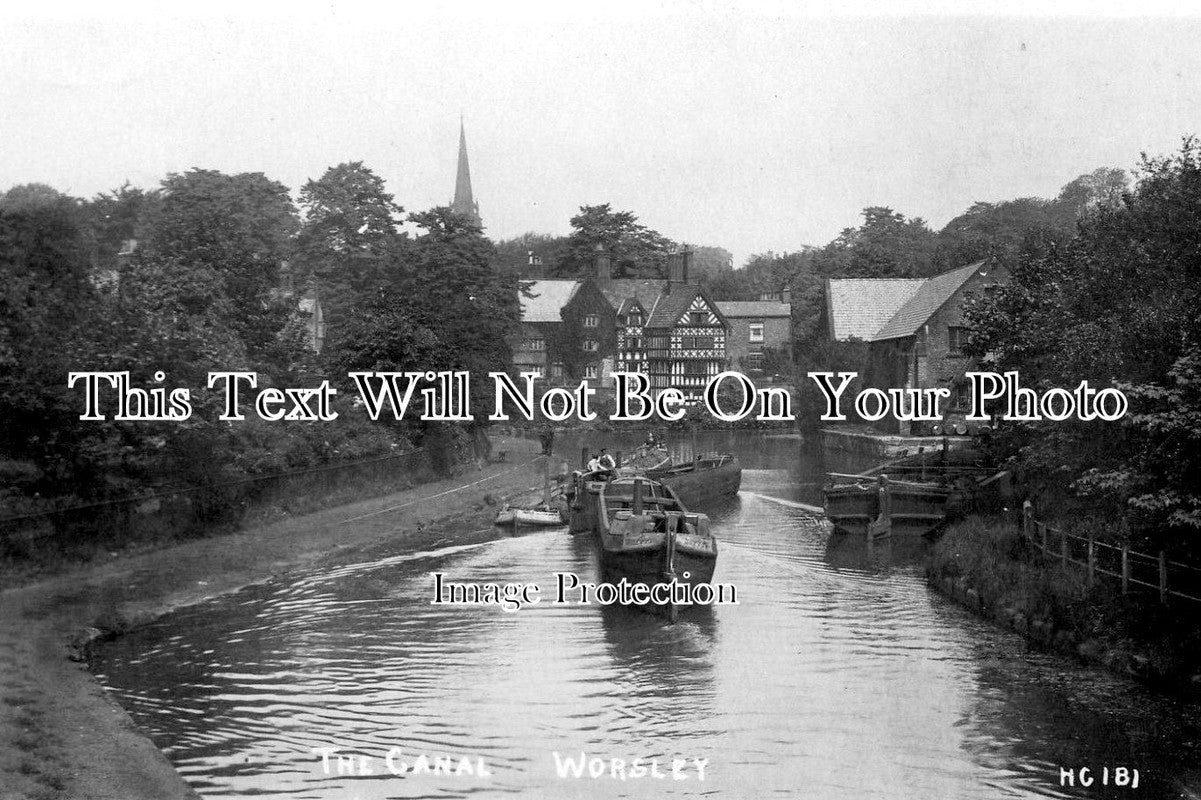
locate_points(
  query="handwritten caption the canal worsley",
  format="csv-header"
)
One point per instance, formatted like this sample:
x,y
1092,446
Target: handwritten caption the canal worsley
x,y
446,397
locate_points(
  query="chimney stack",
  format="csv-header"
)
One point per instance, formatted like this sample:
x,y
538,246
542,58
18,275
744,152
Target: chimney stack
x,y
604,271
677,267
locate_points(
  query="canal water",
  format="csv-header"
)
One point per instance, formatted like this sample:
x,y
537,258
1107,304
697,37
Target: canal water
x,y
838,675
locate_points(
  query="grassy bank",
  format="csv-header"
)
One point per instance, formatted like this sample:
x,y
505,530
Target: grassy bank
x,y
989,566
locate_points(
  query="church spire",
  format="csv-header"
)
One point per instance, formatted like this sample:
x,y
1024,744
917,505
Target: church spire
x,y
464,203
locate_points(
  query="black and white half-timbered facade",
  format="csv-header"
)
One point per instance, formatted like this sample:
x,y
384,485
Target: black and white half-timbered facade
x,y
685,340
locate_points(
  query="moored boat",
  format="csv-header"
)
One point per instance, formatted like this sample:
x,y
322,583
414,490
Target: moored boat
x,y
648,537
876,506
697,481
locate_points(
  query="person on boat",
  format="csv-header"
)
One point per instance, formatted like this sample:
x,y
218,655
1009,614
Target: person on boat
x,y
607,464
594,464
649,444
548,440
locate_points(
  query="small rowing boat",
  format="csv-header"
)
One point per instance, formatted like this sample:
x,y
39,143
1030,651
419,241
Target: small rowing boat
x,y
508,515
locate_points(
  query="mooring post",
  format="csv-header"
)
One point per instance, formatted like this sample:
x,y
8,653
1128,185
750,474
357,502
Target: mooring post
x,y
1163,578
1125,569
885,505
1028,521
1092,560
1063,548
583,457
637,509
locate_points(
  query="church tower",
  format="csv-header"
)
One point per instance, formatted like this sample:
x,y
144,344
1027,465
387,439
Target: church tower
x,y
464,203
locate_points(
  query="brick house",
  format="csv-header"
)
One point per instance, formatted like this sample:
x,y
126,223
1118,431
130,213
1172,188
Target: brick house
x,y
920,342
568,332
669,330
589,328
755,326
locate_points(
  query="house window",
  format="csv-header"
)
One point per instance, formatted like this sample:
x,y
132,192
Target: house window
x,y
634,319
592,371
961,395
589,346
537,344
756,329
697,318
556,371
753,362
591,321
956,339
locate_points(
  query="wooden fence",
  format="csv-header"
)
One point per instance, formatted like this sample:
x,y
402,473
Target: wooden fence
x,y
1136,571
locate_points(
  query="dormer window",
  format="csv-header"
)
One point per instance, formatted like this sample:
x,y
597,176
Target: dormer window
x,y
634,319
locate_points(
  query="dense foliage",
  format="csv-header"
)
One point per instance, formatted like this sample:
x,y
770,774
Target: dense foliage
x,y
208,272
1117,303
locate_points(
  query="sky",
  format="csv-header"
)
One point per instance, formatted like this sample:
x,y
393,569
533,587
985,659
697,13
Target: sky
x,y
753,127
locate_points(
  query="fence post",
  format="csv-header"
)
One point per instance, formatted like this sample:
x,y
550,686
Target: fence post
x,y
1125,569
1092,560
1163,578
1027,519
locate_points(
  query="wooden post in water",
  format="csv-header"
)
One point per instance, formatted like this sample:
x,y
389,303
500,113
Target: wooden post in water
x,y
1092,560
1163,578
546,482
583,457
882,524
1125,569
1063,548
693,443
637,505
1028,521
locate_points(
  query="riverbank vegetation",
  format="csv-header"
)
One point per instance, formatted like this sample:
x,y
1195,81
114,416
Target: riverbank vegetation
x,y
212,271
991,567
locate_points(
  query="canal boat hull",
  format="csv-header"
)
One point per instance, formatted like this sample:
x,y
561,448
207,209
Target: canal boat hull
x,y
647,536
702,480
875,508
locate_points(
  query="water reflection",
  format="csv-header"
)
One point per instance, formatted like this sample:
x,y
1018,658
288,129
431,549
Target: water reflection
x,y
837,675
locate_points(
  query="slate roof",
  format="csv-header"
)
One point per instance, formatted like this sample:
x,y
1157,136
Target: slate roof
x,y
645,291
547,301
930,296
628,305
754,308
859,307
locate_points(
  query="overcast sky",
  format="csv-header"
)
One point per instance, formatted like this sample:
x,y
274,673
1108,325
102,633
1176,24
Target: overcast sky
x,y
748,129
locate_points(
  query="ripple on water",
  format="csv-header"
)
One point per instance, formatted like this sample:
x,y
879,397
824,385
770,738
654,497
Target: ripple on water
x,y
837,675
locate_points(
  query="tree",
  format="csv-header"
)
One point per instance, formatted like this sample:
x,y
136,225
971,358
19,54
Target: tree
x,y
349,231
513,255
886,245
241,227
444,303
636,250
1115,304
117,216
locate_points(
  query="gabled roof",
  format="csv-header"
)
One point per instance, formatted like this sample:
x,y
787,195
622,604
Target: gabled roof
x,y
628,305
547,301
754,308
930,296
670,307
859,307
644,291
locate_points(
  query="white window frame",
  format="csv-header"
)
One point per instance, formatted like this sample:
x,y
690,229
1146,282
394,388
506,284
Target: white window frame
x,y
754,335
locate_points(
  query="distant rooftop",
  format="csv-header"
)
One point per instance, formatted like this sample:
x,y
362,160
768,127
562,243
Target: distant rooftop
x,y
859,307
929,297
753,308
547,300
